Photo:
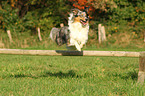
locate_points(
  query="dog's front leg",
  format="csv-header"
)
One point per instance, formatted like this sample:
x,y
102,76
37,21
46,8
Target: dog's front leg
x,y
77,46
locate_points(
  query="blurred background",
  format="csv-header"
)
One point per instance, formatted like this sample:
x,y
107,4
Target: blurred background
x,y
124,22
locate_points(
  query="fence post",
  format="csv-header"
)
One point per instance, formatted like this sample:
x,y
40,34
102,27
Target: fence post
x,y
10,36
104,33
144,36
39,34
101,33
141,74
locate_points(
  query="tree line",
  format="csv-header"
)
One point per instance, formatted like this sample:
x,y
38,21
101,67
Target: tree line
x,y
27,15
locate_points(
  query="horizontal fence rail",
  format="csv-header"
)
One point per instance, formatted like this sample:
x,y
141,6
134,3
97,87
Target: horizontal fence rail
x,y
69,53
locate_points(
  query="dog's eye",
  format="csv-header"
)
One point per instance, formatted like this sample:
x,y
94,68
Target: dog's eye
x,y
76,15
84,14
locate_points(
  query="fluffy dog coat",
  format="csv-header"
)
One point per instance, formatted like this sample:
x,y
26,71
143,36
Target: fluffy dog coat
x,y
79,28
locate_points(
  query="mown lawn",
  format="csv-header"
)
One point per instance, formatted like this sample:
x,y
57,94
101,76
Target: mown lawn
x,y
24,75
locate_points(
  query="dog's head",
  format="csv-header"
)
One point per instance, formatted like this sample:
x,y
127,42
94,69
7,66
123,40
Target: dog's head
x,y
77,15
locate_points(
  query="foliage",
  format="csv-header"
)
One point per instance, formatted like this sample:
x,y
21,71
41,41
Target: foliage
x,y
131,11
44,14
11,21
9,18
96,6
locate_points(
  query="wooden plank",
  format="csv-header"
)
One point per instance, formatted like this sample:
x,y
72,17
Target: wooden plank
x,y
69,53
141,74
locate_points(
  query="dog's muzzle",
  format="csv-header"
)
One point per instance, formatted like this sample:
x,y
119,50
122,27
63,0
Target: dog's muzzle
x,y
84,22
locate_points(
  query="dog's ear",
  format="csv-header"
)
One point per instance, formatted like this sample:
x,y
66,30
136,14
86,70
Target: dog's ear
x,y
74,11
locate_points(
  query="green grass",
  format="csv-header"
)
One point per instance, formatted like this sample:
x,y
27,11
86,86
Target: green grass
x,y
23,75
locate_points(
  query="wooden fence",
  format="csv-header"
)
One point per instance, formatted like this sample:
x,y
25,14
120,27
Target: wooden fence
x,y
141,55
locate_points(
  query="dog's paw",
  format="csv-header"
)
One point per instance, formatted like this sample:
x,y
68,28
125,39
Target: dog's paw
x,y
78,48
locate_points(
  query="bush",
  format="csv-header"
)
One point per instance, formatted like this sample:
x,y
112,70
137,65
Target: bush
x,y
45,17
128,11
9,20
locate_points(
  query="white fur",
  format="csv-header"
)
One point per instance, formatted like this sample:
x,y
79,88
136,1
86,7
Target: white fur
x,y
78,33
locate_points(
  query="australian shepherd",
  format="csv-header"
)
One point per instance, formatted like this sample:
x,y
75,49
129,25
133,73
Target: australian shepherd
x,y
76,34
79,27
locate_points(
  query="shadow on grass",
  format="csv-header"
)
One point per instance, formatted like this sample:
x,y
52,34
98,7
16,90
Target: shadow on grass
x,y
127,75
132,74
60,74
69,74
72,74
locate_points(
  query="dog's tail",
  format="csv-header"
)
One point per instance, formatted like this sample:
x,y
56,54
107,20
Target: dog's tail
x,y
53,33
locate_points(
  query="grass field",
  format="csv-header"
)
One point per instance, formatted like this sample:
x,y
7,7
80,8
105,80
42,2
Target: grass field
x,y
23,75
